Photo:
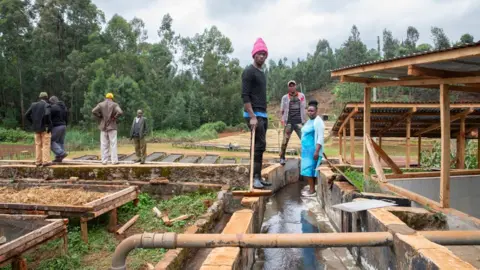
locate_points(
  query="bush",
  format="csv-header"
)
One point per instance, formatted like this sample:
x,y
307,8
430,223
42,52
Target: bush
x,y
218,126
175,135
78,140
15,136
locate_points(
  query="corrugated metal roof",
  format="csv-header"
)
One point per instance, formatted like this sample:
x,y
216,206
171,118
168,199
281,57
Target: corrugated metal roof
x,y
408,56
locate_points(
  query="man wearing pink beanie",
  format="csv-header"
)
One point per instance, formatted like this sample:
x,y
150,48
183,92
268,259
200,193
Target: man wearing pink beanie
x,y
254,95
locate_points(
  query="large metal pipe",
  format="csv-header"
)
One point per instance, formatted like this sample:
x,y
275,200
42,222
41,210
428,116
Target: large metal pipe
x,y
453,238
312,240
317,240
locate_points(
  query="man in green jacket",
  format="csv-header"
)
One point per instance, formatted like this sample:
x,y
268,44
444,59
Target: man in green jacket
x,y
138,133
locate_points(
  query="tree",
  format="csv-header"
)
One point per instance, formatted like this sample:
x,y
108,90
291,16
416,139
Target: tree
x,y
353,51
424,47
466,39
412,38
440,40
390,45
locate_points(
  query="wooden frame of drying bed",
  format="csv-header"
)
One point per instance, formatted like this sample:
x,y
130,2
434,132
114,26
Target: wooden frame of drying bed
x,y
109,203
49,229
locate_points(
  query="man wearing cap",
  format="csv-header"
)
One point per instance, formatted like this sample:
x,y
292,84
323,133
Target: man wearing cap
x,y
254,95
292,108
107,113
138,133
39,115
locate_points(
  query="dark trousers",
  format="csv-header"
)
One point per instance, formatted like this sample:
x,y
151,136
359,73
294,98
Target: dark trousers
x,y
287,133
140,148
260,144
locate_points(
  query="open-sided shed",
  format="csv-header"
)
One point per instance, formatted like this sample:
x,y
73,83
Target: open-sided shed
x,y
452,69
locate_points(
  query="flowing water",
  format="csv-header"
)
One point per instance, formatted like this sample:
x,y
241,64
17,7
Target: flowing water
x,y
287,212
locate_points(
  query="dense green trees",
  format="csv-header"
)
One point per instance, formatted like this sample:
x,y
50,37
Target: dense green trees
x,y
67,48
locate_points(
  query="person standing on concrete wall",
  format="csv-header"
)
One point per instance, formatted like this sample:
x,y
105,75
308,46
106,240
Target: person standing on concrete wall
x,y
292,108
312,147
107,112
138,132
254,95
39,116
59,121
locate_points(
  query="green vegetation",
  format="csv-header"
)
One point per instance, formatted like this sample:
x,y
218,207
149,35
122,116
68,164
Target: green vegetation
x,y
205,132
431,158
98,252
355,177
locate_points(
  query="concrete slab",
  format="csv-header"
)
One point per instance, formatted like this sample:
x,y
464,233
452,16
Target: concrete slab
x,y
171,158
189,159
210,159
155,156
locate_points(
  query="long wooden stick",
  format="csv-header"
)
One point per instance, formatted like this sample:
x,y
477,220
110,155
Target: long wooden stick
x,y
252,147
128,224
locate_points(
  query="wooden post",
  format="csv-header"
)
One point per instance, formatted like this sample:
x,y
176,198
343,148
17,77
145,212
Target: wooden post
x,y
112,222
461,145
407,147
419,151
65,244
344,147
478,149
445,155
380,145
84,229
352,141
19,263
367,96
340,144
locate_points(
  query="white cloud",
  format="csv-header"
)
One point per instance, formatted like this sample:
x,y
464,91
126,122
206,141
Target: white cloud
x,y
292,28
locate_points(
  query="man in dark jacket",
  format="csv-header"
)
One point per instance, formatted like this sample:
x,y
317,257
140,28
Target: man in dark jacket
x,y
39,115
59,121
138,133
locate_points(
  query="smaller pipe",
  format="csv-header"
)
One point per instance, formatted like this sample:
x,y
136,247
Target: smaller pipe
x,y
453,238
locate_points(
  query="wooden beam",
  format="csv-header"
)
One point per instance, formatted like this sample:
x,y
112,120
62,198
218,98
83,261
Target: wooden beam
x,y
383,155
420,175
399,120
376,163
412,105
407,142
451,119
345,121
427,82
478,149
355,79
340,145
419,154
445,144
430,72
352,141
461,145
414,60
367,96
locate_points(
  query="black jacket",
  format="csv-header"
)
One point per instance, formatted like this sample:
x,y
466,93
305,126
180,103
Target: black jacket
x,y
59,114
40,116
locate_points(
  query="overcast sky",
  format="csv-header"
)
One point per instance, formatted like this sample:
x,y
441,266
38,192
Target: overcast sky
x,y
291,28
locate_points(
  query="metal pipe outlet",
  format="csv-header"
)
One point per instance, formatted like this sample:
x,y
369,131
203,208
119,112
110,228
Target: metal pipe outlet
x,y
316,240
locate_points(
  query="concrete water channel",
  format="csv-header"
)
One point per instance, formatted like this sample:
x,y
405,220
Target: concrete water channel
x,y
288,212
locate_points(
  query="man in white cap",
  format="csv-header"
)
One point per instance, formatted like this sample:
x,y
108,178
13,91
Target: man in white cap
x,y
293,116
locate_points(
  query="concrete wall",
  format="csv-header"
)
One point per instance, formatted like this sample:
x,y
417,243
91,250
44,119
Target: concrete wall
x,y
464,191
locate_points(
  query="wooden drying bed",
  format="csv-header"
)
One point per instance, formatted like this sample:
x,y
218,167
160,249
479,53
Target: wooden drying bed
x,y
25,232
115,197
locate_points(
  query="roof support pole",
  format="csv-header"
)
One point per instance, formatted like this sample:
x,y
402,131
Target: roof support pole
x,y
478,149
380,145
461,145
344,147
367,96
407,147
419,150
340,144
352,141
445,143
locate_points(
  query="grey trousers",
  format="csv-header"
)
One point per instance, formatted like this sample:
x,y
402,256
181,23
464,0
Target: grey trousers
x,y
58,140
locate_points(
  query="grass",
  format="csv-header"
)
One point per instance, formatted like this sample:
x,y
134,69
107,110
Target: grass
x,y
98,252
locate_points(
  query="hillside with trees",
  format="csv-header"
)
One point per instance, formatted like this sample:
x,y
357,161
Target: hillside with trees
x,y
68,49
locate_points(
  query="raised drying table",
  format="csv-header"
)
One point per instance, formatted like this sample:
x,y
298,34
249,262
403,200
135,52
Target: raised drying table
x,y
25,232
115,196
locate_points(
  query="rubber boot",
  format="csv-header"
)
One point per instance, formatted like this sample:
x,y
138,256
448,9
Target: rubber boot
x,y
257,182
257,171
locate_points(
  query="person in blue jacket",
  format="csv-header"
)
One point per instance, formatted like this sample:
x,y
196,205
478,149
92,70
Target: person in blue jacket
x,y
312,147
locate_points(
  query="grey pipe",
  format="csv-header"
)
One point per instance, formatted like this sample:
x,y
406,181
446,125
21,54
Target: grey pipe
x,y
145,240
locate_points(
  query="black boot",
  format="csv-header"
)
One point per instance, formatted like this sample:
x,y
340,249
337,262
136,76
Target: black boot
x,y
257,172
